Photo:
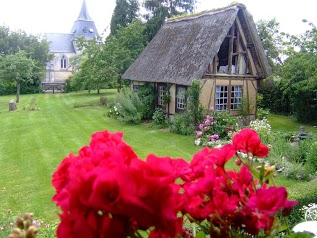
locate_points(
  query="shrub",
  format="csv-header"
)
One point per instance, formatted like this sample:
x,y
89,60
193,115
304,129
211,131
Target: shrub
x,y
103,101
182,124
129,106
33,105
263,128
311,157
194,107
262,113
159,117
216,125
147,96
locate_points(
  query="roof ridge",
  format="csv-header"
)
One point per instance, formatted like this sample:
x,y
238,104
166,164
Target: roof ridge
x,y
205,13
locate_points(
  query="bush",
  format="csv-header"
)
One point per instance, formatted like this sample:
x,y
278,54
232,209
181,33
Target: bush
x,y
262,113
103,101
311,157
129,106
216,125
263,128
147,96
159,117
182,124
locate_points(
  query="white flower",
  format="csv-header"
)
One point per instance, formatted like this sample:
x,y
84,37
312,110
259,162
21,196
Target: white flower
x,y
197,141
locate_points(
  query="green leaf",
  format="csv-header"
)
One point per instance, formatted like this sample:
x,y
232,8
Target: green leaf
x,y
200,235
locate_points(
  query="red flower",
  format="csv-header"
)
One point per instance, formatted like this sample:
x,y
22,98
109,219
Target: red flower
x,y
248,141
269,201
220,156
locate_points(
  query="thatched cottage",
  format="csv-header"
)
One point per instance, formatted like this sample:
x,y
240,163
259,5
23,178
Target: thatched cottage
x,y
220,48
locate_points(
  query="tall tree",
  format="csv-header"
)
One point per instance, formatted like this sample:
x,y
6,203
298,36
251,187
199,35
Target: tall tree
x,y
160,10
11,42
272,41
16,68
124,12
101,66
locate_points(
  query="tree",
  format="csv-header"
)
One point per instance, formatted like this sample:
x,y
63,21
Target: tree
x,y
272,41
101,65
11,42
295,84
123,14
160,10
17,68
299,75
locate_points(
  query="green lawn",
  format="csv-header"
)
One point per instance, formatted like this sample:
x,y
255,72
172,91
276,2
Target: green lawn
x,y
287,124
33,143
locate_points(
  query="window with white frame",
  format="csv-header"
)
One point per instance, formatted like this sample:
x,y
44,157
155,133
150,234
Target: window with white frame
x,y
236,97
221,101
160,94
180,98
63,62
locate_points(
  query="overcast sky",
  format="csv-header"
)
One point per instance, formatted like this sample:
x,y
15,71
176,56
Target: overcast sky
x,y
58,16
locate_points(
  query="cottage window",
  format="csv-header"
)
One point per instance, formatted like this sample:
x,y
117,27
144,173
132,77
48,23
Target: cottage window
x,y
135,88
221,98
160,92
180,98
63,62
236,98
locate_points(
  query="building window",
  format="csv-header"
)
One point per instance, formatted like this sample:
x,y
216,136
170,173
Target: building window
x,y
222,92
236,98
160,94
135,88
180,98
221,98
63,62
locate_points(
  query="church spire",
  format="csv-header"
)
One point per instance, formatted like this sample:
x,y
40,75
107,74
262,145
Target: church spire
x,y
83,15
84,25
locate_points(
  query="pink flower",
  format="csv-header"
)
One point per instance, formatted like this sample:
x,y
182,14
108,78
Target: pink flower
x,y
201,126
199,133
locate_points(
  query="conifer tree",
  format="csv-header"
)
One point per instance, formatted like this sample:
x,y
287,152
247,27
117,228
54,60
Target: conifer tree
x,y
123,14
160,10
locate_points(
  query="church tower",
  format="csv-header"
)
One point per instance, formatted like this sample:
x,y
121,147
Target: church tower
x,y
63,47
84,25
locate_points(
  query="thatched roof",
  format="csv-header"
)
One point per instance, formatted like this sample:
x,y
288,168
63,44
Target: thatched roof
x,y
182,49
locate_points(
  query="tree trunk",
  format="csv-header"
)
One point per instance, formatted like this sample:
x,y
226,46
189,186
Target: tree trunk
x,y
18,92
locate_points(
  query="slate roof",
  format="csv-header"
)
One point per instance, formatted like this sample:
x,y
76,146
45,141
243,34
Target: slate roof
x,y
60,43
84,25
182,49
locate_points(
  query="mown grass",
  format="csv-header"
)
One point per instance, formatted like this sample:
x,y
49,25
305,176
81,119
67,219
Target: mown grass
x,y
33,143
288,124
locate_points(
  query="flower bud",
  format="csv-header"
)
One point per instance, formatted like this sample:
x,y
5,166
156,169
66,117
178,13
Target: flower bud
x,y
19,222
31,232
238,162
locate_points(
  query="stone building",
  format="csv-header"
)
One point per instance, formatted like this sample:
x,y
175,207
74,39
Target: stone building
x,y
63,47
